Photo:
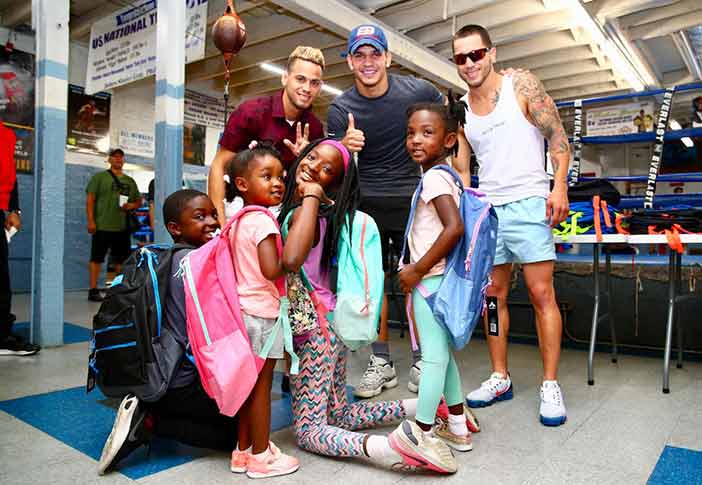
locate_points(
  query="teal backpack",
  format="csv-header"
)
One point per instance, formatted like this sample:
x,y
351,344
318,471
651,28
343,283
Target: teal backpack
x,y
359,282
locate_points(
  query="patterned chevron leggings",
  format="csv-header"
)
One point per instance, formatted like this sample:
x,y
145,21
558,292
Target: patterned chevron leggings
x,y
322,414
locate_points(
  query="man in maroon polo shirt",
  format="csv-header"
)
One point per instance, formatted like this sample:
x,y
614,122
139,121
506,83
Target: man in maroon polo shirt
x,y
285,118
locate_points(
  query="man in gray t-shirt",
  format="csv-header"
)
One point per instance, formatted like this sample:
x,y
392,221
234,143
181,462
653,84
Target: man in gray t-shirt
x,y
371,117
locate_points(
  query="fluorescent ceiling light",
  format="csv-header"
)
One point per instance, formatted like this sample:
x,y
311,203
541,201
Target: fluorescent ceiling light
x,y
272,68
621,64
687,141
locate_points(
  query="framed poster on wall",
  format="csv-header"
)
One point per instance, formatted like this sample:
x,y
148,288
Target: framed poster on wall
x,y
88,120
17,88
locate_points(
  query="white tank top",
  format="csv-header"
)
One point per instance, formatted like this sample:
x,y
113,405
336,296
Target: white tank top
x,y
509,149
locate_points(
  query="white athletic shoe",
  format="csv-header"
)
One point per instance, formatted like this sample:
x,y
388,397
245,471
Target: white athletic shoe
x,y
379,375
496,388
415,374
552,411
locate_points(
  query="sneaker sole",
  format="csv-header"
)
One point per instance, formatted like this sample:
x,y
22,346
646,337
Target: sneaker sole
x,y
235,469
411,454
505,396
280,473
375,392
17,353
552,422
118,435
412,387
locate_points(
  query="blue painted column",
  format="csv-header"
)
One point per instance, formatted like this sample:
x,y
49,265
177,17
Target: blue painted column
x,y
50,20
170,90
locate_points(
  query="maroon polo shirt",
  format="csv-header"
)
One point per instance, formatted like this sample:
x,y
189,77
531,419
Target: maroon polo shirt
x,y
263,119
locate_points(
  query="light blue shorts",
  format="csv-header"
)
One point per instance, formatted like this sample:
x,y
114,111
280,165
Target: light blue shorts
x,y
524,235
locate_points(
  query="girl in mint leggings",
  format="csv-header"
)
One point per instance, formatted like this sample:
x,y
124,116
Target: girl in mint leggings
x,y
433,232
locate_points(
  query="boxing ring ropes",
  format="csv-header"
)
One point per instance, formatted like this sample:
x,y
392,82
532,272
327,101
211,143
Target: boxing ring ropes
x,y
674,258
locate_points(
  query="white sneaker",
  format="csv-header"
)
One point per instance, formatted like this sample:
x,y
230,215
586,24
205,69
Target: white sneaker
x,y
415,374
552,411
496,388
420,450
379,375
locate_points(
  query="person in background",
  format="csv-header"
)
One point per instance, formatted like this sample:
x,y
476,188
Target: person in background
x,y
10,221
110,195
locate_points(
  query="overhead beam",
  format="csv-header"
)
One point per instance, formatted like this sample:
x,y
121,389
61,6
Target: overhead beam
x,y
605,9
661,13
570,69
666,26
414,14
340,17
497,13
682,43
578,53
519,29
579,80
371,6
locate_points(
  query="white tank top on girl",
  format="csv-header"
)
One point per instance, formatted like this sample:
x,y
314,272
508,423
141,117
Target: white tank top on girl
x,y
509,149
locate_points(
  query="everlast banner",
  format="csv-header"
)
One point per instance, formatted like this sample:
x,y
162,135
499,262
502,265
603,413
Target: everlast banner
x,y
577,142
661,127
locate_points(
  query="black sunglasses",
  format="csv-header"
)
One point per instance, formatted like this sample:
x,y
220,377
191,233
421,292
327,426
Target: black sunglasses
x,y
474,56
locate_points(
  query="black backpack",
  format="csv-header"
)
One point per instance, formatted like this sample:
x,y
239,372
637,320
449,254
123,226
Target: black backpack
x,y
585,191
132,350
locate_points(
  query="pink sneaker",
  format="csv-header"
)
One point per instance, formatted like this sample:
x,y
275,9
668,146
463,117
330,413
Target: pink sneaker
x,y
472,422
240,461
275,464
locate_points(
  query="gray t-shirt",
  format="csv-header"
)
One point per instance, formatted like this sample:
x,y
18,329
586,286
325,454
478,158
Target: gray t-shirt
x,y
176,321
385,166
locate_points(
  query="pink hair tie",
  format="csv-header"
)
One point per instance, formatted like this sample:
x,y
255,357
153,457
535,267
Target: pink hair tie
x,y
345,155
253,144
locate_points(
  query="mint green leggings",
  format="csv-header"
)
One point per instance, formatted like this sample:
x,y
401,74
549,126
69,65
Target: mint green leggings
x,y
439,370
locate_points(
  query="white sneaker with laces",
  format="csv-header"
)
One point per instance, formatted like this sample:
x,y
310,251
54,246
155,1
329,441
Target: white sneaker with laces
x,y
379,375
415,374
496,388
552,411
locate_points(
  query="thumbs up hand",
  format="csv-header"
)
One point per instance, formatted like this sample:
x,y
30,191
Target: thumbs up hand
x,y
354,139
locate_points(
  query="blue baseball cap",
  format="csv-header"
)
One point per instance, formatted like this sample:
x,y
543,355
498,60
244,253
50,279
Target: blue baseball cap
x,y
367,34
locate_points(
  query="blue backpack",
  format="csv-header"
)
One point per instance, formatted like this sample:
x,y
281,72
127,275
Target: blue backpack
x,y
459,302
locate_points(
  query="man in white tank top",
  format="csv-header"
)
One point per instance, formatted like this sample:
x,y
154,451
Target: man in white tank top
x,y
507,120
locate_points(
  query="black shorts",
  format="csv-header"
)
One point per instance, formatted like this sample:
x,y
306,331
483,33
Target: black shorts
x,y
119,243
390,214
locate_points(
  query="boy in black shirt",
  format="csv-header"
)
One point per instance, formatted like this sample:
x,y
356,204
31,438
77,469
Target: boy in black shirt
x,y
185,413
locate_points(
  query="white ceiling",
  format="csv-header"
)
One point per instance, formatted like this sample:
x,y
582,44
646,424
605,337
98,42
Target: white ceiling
x,y
541,35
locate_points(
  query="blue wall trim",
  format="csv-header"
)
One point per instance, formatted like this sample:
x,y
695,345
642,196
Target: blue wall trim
x,y
170,90
46,113
47,67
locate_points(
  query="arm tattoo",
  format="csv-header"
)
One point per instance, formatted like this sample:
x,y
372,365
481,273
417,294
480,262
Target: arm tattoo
x,y
544,114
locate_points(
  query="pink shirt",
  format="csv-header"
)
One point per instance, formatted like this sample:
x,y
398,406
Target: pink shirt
x,y
426,225
258,296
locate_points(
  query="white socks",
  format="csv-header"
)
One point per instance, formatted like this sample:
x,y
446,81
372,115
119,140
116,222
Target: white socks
x,y
380,451
410,407
457,424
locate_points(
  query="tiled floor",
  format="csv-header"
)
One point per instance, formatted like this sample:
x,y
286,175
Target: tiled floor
x,y
617,430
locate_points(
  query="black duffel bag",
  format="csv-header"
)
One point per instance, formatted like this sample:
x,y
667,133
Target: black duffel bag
x,y
640,220
585,191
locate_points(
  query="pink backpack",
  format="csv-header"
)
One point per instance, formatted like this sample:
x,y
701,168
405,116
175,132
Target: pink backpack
x,y
227,365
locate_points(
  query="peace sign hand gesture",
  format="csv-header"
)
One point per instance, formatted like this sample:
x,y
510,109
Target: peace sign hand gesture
x,y
302,139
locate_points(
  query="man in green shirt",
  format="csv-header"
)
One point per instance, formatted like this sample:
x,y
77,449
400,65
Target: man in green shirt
x,y
111,194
